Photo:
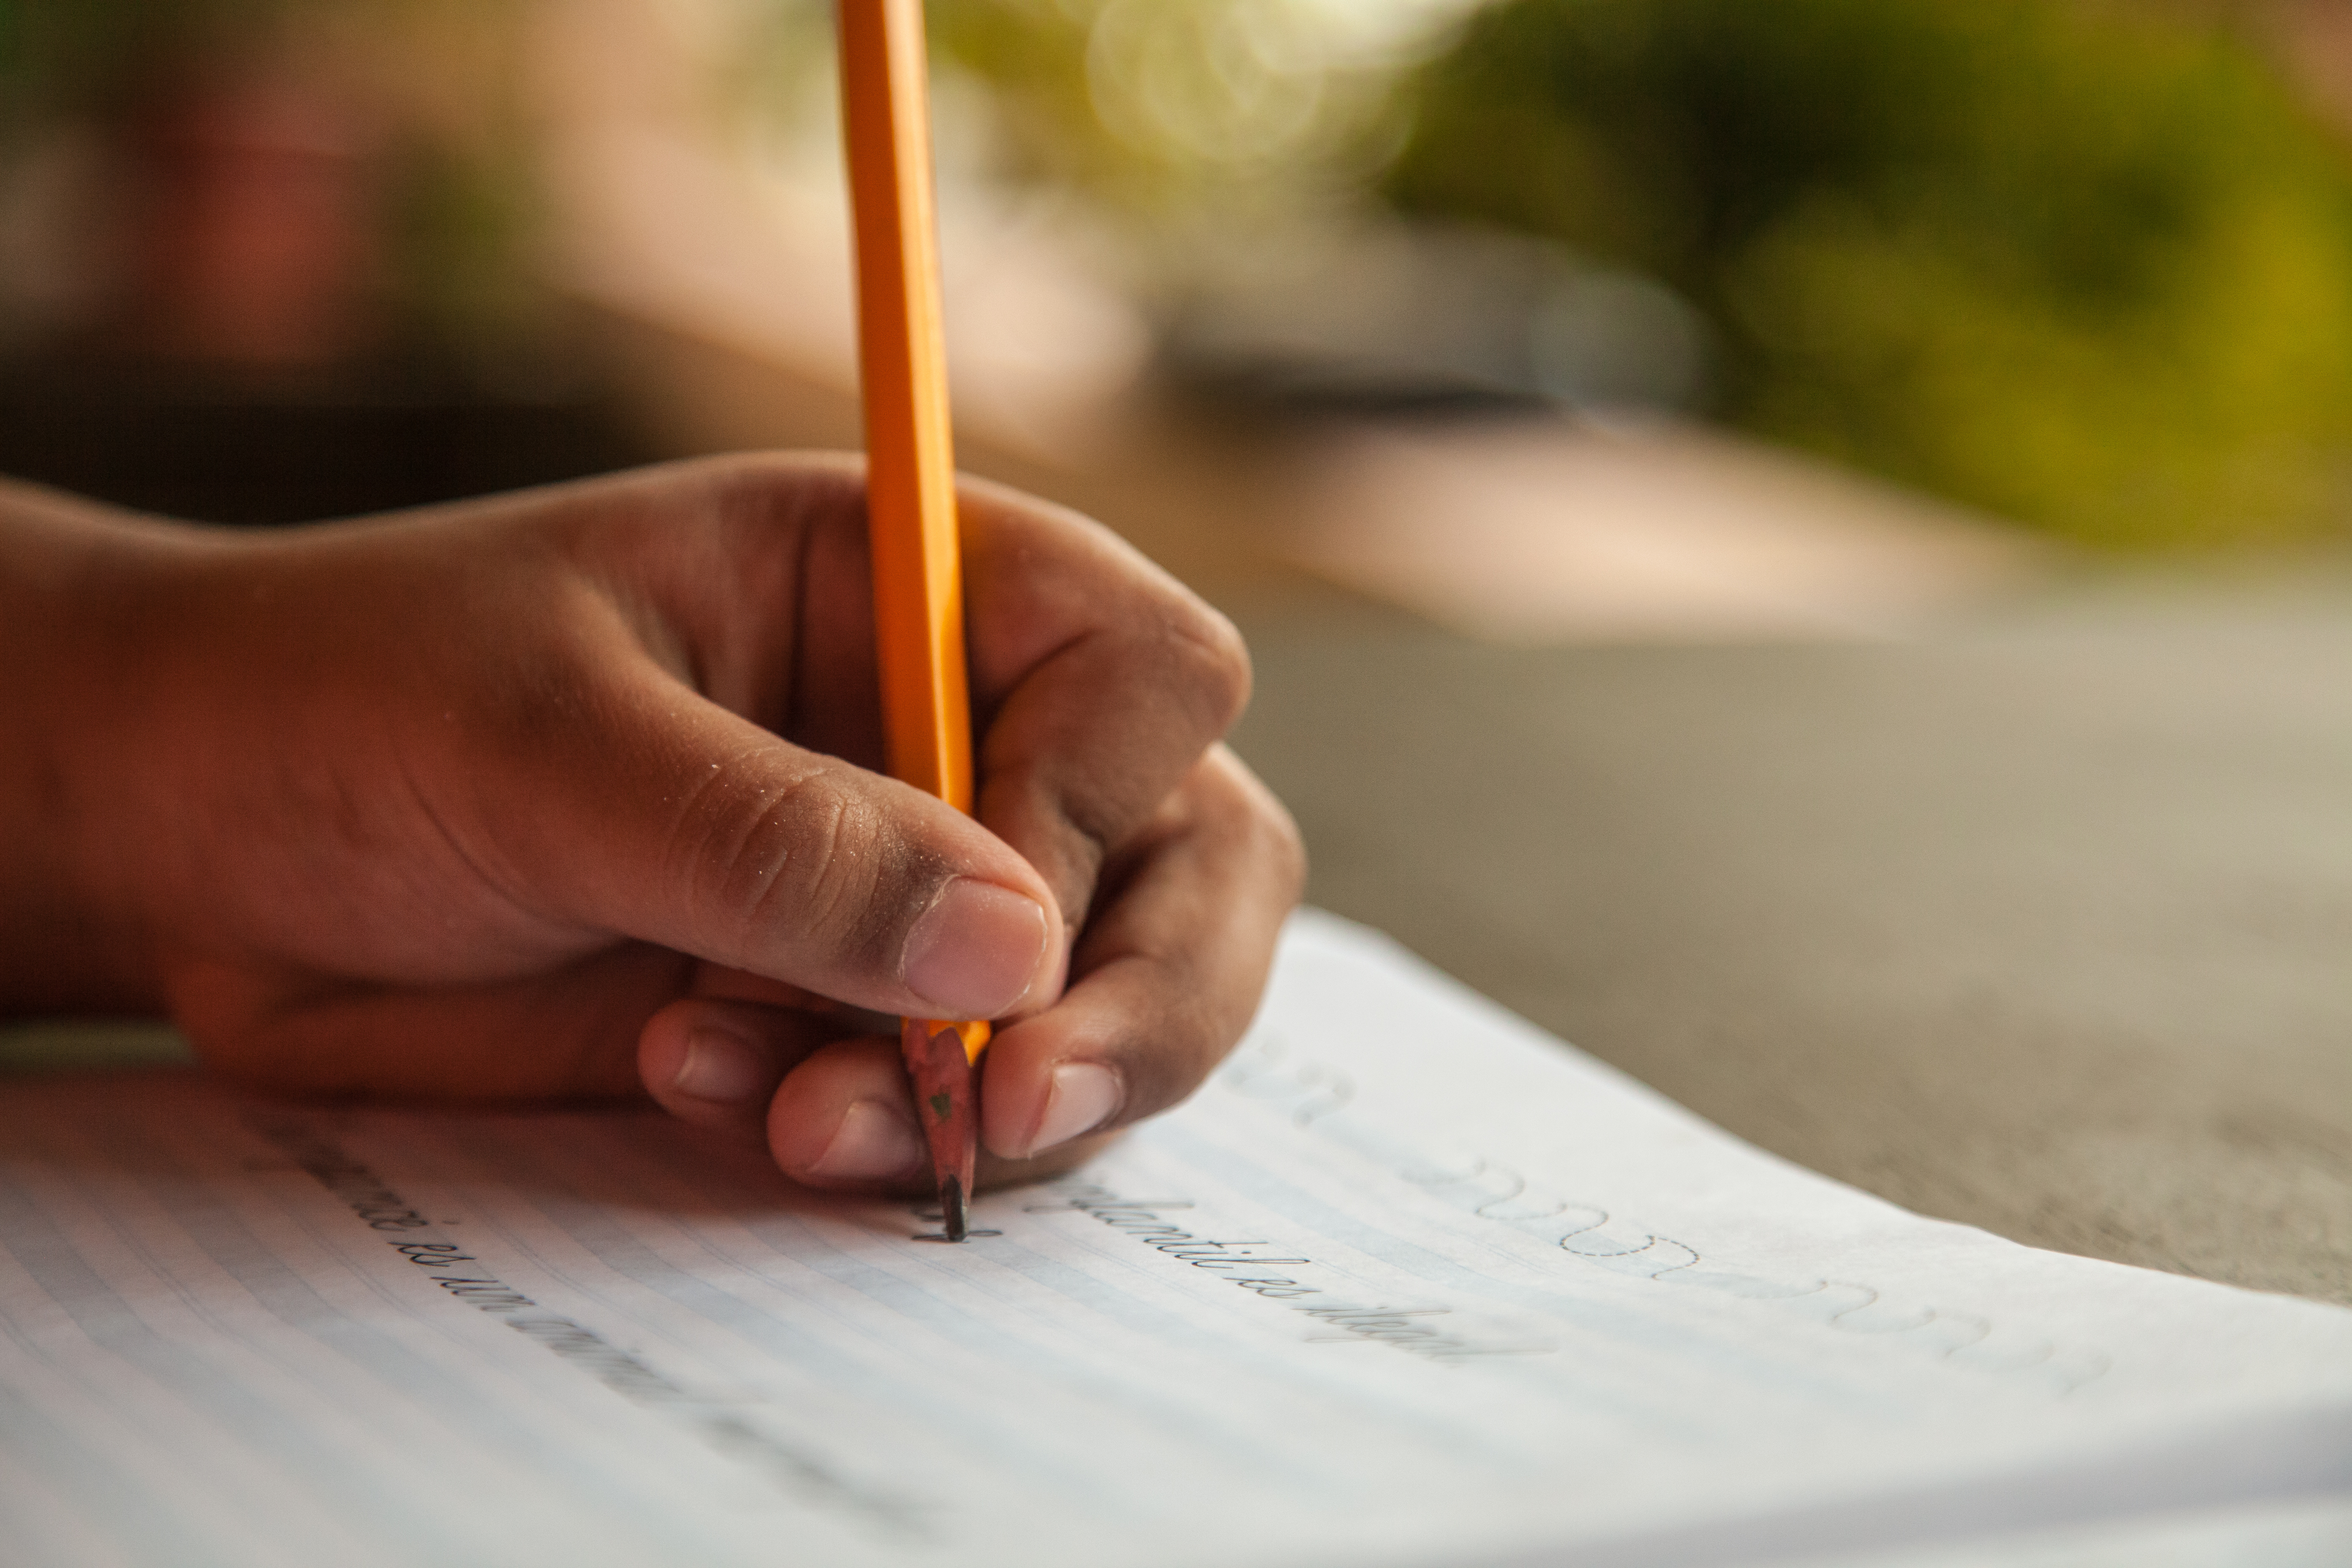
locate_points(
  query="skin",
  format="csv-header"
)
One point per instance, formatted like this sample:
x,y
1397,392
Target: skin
x,y
574,793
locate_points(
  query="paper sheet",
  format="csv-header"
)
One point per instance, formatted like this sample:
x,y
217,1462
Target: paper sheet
x,y
2302,1532
1407,1282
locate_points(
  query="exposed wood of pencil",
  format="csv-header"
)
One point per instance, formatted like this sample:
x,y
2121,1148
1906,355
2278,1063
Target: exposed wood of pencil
x,y
941,1067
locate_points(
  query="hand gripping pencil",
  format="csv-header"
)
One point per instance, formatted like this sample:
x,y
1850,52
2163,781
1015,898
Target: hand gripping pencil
x,y
912,504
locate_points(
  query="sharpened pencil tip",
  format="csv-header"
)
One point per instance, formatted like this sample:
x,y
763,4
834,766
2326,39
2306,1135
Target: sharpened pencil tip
x,y
951,1214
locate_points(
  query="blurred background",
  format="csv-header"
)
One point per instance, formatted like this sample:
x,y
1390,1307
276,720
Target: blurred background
x,y
2083,266
1802,545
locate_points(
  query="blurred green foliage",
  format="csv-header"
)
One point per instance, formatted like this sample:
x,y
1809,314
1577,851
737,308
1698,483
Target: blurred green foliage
x,y
1171,108
2090,267
1034,53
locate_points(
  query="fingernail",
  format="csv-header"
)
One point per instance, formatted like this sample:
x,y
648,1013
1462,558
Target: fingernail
x,y
1083,1097
975,950
719,1066
872,1143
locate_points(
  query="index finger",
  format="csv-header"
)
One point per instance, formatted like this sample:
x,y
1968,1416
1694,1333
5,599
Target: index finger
x,y
1098,678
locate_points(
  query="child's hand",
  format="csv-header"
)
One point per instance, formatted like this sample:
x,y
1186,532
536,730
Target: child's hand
x,y
555,794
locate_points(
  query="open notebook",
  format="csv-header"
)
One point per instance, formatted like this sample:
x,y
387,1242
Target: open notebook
x,y
1409,1282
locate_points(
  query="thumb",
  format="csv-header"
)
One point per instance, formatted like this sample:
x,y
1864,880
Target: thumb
x,y
665,817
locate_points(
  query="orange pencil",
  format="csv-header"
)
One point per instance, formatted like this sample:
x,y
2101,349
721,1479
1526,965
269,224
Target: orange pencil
x,y
911,503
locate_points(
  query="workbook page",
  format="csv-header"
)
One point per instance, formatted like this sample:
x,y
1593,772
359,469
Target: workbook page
x,y
1407,1282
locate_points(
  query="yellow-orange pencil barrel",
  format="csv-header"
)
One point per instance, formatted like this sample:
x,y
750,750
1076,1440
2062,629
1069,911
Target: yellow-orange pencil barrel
x,y
917,576
910,496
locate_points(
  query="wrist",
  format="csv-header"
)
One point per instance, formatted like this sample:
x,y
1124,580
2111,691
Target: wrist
x,y
75,578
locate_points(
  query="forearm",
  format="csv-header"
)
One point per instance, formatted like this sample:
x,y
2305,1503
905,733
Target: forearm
x,y
63,946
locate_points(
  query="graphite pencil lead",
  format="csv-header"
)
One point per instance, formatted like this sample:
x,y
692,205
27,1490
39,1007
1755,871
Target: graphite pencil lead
x,y
946,1087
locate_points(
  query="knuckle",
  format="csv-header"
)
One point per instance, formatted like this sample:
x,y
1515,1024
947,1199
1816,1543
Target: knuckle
x,y
1217,661
832,869
1269,832
802,865
1286,849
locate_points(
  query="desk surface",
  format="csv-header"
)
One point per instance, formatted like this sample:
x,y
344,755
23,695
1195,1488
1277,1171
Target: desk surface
x,y
2044,926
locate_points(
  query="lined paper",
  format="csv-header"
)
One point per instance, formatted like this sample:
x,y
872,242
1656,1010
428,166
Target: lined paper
x,y
1407,1282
